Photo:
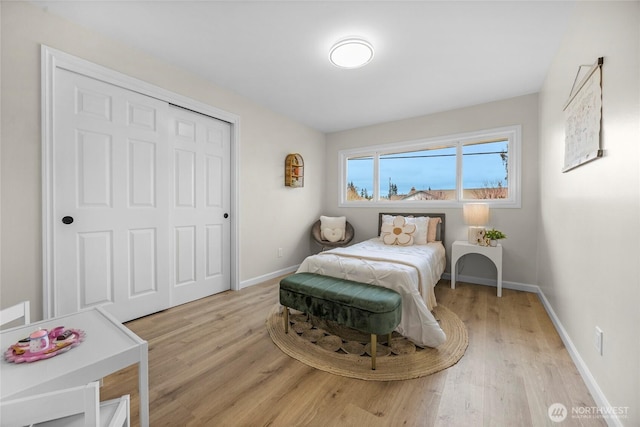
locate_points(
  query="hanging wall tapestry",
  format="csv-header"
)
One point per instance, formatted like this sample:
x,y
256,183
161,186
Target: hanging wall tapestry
x,y
583,117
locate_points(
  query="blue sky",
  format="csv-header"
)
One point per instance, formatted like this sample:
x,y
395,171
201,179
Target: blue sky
x,y
435,169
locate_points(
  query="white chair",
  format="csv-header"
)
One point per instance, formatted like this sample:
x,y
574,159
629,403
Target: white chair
x,y
77,406
21,310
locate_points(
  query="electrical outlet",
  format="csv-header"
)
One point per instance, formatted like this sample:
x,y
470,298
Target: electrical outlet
x,y
279,252
598,340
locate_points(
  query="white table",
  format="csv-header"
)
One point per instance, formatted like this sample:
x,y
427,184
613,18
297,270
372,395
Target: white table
x,y
108,347
461,248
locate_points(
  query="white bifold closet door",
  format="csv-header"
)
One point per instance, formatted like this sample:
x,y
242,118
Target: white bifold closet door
x,y
141,189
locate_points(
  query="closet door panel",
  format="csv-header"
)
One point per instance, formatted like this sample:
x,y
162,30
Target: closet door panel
x,y
201,148
111,177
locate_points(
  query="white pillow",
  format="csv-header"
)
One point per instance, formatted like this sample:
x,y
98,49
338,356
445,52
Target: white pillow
x,y
386,219
337,224
422,227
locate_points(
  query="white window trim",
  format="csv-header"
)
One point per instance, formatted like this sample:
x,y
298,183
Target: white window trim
x,y
512,133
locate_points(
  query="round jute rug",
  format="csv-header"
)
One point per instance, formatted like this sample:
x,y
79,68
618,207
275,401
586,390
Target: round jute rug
x,y
317,344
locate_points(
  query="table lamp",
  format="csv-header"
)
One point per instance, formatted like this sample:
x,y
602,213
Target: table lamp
x,y
476,215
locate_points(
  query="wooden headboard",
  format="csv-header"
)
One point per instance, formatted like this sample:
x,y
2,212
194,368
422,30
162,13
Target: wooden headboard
x,y
440,233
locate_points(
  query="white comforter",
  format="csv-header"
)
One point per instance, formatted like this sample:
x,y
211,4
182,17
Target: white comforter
x,y
412,271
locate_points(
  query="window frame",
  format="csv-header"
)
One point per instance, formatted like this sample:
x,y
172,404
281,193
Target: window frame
x,y
513,134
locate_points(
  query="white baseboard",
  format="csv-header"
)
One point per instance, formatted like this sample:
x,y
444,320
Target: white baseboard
x,y
590,381
267,277
595,390
516,286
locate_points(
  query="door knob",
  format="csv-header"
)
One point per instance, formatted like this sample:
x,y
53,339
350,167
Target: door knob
x,y
67,220
226,215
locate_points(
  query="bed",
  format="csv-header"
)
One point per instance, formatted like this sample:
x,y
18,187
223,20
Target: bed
x,y
412,270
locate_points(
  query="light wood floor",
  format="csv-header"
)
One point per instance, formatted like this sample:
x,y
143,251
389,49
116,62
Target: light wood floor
x,y
212,363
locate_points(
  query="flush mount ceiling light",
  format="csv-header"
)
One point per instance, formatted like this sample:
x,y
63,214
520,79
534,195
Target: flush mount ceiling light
x,y
352,52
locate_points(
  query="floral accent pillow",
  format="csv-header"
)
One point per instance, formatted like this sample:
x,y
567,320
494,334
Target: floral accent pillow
x,y
398,232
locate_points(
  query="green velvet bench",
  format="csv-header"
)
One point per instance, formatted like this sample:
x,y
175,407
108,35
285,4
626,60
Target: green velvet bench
x,y
367,308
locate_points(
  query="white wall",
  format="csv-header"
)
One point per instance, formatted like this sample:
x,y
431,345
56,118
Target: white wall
x,y
271,216
589,240
520,225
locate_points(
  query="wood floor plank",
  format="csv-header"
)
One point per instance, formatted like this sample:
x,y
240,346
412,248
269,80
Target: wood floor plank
x,y
212,363
505,397
465,380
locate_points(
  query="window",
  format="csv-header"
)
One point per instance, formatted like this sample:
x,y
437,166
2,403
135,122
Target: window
x,y
360,185
485,171
446,171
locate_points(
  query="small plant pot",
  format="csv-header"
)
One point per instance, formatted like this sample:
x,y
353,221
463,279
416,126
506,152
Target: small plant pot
x,y
493,243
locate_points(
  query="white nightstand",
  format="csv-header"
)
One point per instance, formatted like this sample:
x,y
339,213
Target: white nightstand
x,y
461,247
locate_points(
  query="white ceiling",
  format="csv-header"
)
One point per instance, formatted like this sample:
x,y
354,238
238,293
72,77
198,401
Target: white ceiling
x,y
430,56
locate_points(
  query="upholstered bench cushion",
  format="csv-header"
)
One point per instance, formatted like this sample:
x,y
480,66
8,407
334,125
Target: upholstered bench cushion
x,y
367,308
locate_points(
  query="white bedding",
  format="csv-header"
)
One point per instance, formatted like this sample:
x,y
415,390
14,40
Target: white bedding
x,y
412,271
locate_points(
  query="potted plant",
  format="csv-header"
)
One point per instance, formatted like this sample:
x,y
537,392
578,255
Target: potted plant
x,y
494,235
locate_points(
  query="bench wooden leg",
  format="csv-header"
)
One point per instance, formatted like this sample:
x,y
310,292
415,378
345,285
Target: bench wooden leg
x,y
389,339
374,345
286,320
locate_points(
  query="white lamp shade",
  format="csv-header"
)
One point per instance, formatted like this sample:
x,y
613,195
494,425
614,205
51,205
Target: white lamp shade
x,y
476,213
